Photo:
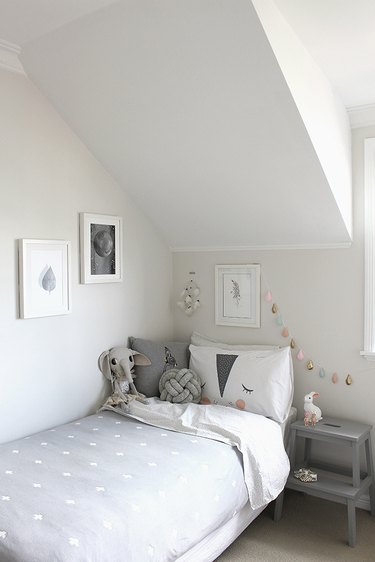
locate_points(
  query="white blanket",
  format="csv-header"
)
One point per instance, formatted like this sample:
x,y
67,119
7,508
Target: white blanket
x,y
265,462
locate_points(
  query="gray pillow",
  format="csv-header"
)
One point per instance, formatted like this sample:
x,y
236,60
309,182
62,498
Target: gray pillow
x,y
163,356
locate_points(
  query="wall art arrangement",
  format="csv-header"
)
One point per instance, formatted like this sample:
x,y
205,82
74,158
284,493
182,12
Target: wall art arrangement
x,y
100,241
44,277
310,364
237,295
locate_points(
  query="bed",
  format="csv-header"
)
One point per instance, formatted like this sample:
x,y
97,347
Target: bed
x,y
160,482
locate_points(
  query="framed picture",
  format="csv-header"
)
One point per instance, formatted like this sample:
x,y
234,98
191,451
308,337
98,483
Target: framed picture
x,y
44,277
101,238
238,295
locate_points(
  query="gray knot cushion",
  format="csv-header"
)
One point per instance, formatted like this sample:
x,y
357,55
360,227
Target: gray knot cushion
x,y
180,385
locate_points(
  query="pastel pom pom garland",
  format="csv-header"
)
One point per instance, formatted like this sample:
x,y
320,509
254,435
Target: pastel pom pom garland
x,y
300,355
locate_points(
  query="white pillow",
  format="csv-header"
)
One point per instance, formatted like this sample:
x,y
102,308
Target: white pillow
x,y
259,381
199,339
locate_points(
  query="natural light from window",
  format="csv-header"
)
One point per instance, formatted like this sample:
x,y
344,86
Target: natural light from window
x,y
369,235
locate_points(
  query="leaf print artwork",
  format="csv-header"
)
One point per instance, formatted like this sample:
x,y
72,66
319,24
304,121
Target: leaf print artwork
x,y
237,295
49,280
235,292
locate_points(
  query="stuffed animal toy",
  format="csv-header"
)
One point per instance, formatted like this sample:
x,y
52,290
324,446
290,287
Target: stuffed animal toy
x,y
117,365
312,413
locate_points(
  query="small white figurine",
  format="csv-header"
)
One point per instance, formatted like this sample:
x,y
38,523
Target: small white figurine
x,y
312,413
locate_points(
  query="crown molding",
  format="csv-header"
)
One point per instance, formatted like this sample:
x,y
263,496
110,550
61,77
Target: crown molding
x,y
9,57
361,115
261,248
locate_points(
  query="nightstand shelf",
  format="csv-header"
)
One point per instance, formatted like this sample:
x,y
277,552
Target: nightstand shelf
x,y
329,485
332,483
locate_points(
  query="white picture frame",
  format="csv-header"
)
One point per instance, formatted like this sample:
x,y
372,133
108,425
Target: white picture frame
x,y
237,295
44,277
101,248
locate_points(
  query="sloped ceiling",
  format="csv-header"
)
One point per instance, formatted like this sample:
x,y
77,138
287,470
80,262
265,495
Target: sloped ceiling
x,y
22,21
186,106
339,34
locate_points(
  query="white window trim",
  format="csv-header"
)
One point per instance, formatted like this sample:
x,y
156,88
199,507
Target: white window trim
x,y
369,238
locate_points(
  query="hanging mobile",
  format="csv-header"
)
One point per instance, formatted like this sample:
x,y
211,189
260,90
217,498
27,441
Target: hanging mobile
x,y
189,297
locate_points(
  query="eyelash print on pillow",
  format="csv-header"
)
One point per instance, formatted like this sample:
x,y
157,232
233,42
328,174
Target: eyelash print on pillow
x,y
224,364
258,381
247,390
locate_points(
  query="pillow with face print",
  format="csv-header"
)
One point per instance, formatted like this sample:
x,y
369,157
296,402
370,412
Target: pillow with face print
x,y
259,381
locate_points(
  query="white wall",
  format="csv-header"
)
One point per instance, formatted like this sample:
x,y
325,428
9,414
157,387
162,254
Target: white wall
x,y
320,296
49,369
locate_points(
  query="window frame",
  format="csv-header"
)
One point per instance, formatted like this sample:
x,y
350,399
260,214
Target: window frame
x,y
369,250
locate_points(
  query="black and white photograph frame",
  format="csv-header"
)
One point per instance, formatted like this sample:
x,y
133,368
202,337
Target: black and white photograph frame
x,y
44,277
237,295
101,248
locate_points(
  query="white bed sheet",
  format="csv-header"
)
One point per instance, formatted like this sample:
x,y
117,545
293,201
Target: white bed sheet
x,y
216,542
259,439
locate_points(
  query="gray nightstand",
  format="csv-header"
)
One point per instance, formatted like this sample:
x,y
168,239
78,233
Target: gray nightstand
x,y
333,484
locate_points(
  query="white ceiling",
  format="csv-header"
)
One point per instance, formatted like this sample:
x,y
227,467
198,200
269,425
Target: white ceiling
x,y
340,36
185,104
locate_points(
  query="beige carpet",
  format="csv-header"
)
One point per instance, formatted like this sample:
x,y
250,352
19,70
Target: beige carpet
x,y
310,530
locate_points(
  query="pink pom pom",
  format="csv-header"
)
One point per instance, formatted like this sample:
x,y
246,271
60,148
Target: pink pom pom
x,y
300,355
268,296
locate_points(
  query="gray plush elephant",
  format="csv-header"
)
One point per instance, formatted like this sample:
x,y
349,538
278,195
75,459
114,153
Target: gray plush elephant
x,y
117,365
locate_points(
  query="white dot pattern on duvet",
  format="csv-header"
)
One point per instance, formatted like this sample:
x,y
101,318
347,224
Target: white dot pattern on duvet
x,y
69,494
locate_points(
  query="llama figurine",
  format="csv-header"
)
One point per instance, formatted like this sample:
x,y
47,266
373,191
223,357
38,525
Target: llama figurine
x,y
312,414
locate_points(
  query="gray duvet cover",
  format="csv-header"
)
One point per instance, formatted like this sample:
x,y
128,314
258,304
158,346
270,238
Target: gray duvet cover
x,y
109,488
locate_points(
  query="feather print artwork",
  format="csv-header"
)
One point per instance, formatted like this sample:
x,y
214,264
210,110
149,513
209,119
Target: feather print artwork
x,y
236,292
49,280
